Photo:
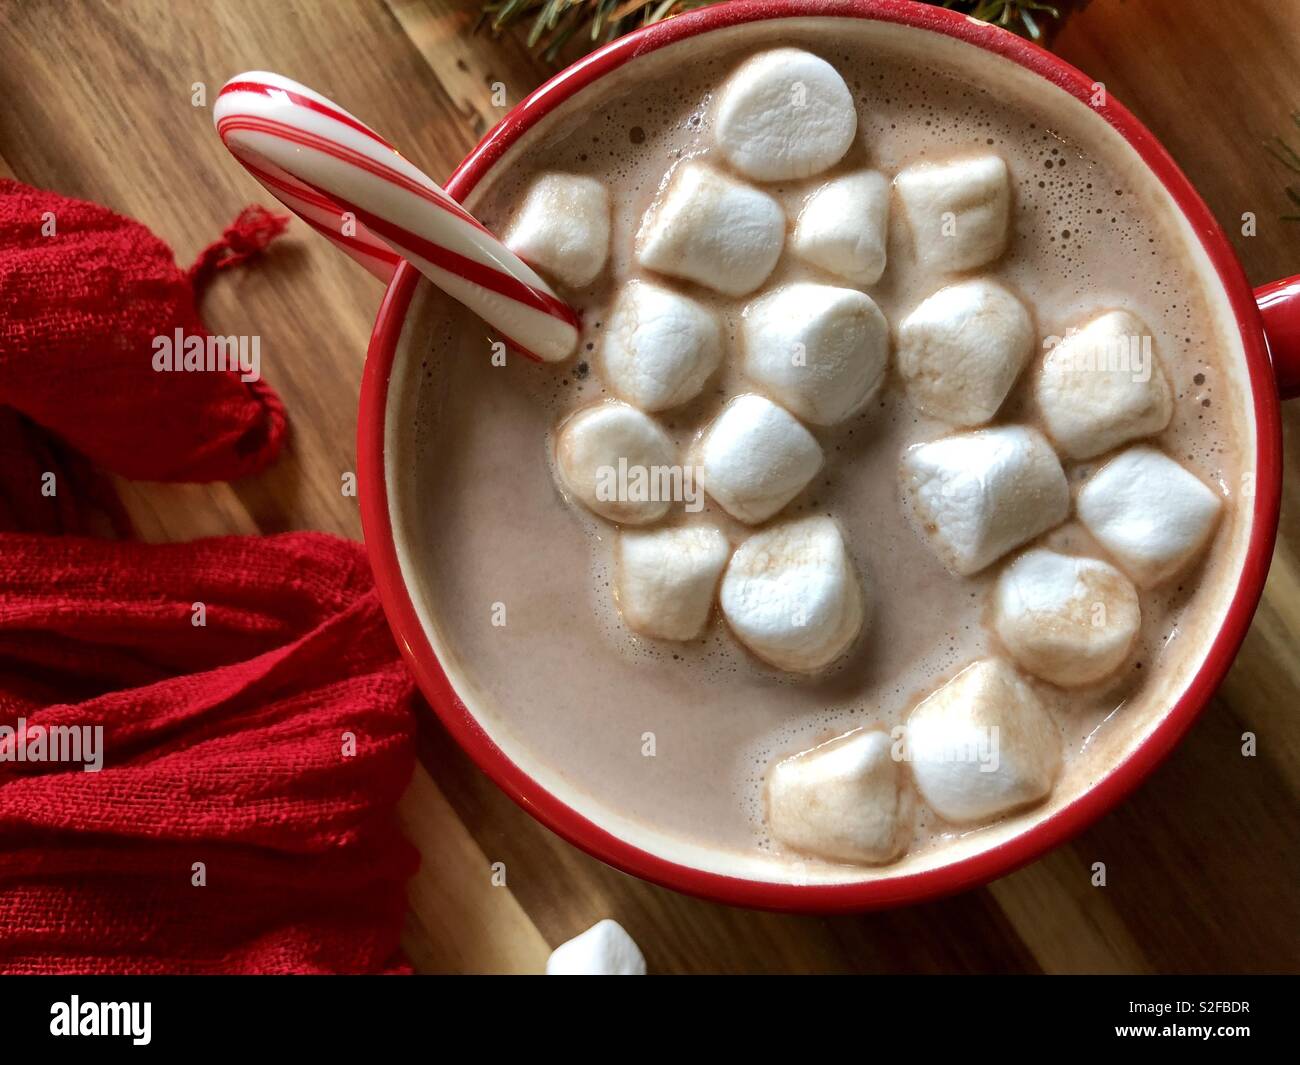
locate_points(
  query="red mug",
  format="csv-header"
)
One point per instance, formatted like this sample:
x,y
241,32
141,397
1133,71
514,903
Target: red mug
x,y
1269,325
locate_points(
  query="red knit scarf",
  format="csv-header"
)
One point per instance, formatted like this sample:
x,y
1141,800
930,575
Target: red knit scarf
x,y
242,695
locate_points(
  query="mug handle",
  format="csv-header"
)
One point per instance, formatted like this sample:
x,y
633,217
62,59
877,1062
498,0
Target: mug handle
x,y
1279,303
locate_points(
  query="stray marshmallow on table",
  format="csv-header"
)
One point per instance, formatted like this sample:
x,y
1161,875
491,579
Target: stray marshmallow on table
x,y
659,347
819,350
845,800
563,228
792,596
713,230
665,579
1103,386
1149,513
962,349
978,495
784,114
604,949
844,226
1067,619
755,457
959,212
983,745
610,457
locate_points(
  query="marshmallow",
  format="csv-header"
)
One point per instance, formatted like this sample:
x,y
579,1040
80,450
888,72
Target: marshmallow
x,y
792,596
754,458
563,228
1103,386
711,229
659,347
1068,620
962,349
821,351
604,949
978,495
613,458
844,800
784,114
843,227
1152,515
982,745
958,212
666,579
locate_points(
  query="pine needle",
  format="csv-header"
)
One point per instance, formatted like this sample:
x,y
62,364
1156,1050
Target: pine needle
x,y
1289,158
1017,15
555,22
1293,194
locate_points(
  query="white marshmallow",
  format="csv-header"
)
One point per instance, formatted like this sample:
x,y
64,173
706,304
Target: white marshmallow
x,y
819,350
958,212
666,579
983,745
962,349
1150,513
784,114
604,949
659,347
845,800
712,229
562,228
1066,619
844,226
755,457
1104,386
596,442
978,495
792,596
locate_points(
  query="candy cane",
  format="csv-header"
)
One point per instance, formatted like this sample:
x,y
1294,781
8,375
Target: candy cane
x,y
349,184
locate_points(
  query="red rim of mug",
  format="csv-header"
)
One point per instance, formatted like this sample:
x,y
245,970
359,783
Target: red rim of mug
x,y
886,891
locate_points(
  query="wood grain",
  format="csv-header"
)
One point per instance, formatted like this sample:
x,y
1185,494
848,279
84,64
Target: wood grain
x,y
1202,861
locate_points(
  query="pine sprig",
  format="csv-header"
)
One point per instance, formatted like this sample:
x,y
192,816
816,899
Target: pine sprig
x,y
555,22
1016,15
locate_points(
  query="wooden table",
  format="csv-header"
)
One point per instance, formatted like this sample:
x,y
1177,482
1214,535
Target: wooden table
x,y
1202,862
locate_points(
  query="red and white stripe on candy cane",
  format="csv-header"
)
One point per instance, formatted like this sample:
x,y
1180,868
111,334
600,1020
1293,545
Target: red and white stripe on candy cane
x,y
324,164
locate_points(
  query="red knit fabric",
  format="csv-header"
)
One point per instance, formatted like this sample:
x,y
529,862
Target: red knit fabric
x,y
47,487
261,751
225,744
83,294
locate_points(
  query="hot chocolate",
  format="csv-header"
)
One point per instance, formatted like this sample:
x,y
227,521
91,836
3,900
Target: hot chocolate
x,y
959,517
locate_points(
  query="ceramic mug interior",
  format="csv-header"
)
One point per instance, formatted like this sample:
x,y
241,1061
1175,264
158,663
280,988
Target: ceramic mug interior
x,y
396,501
